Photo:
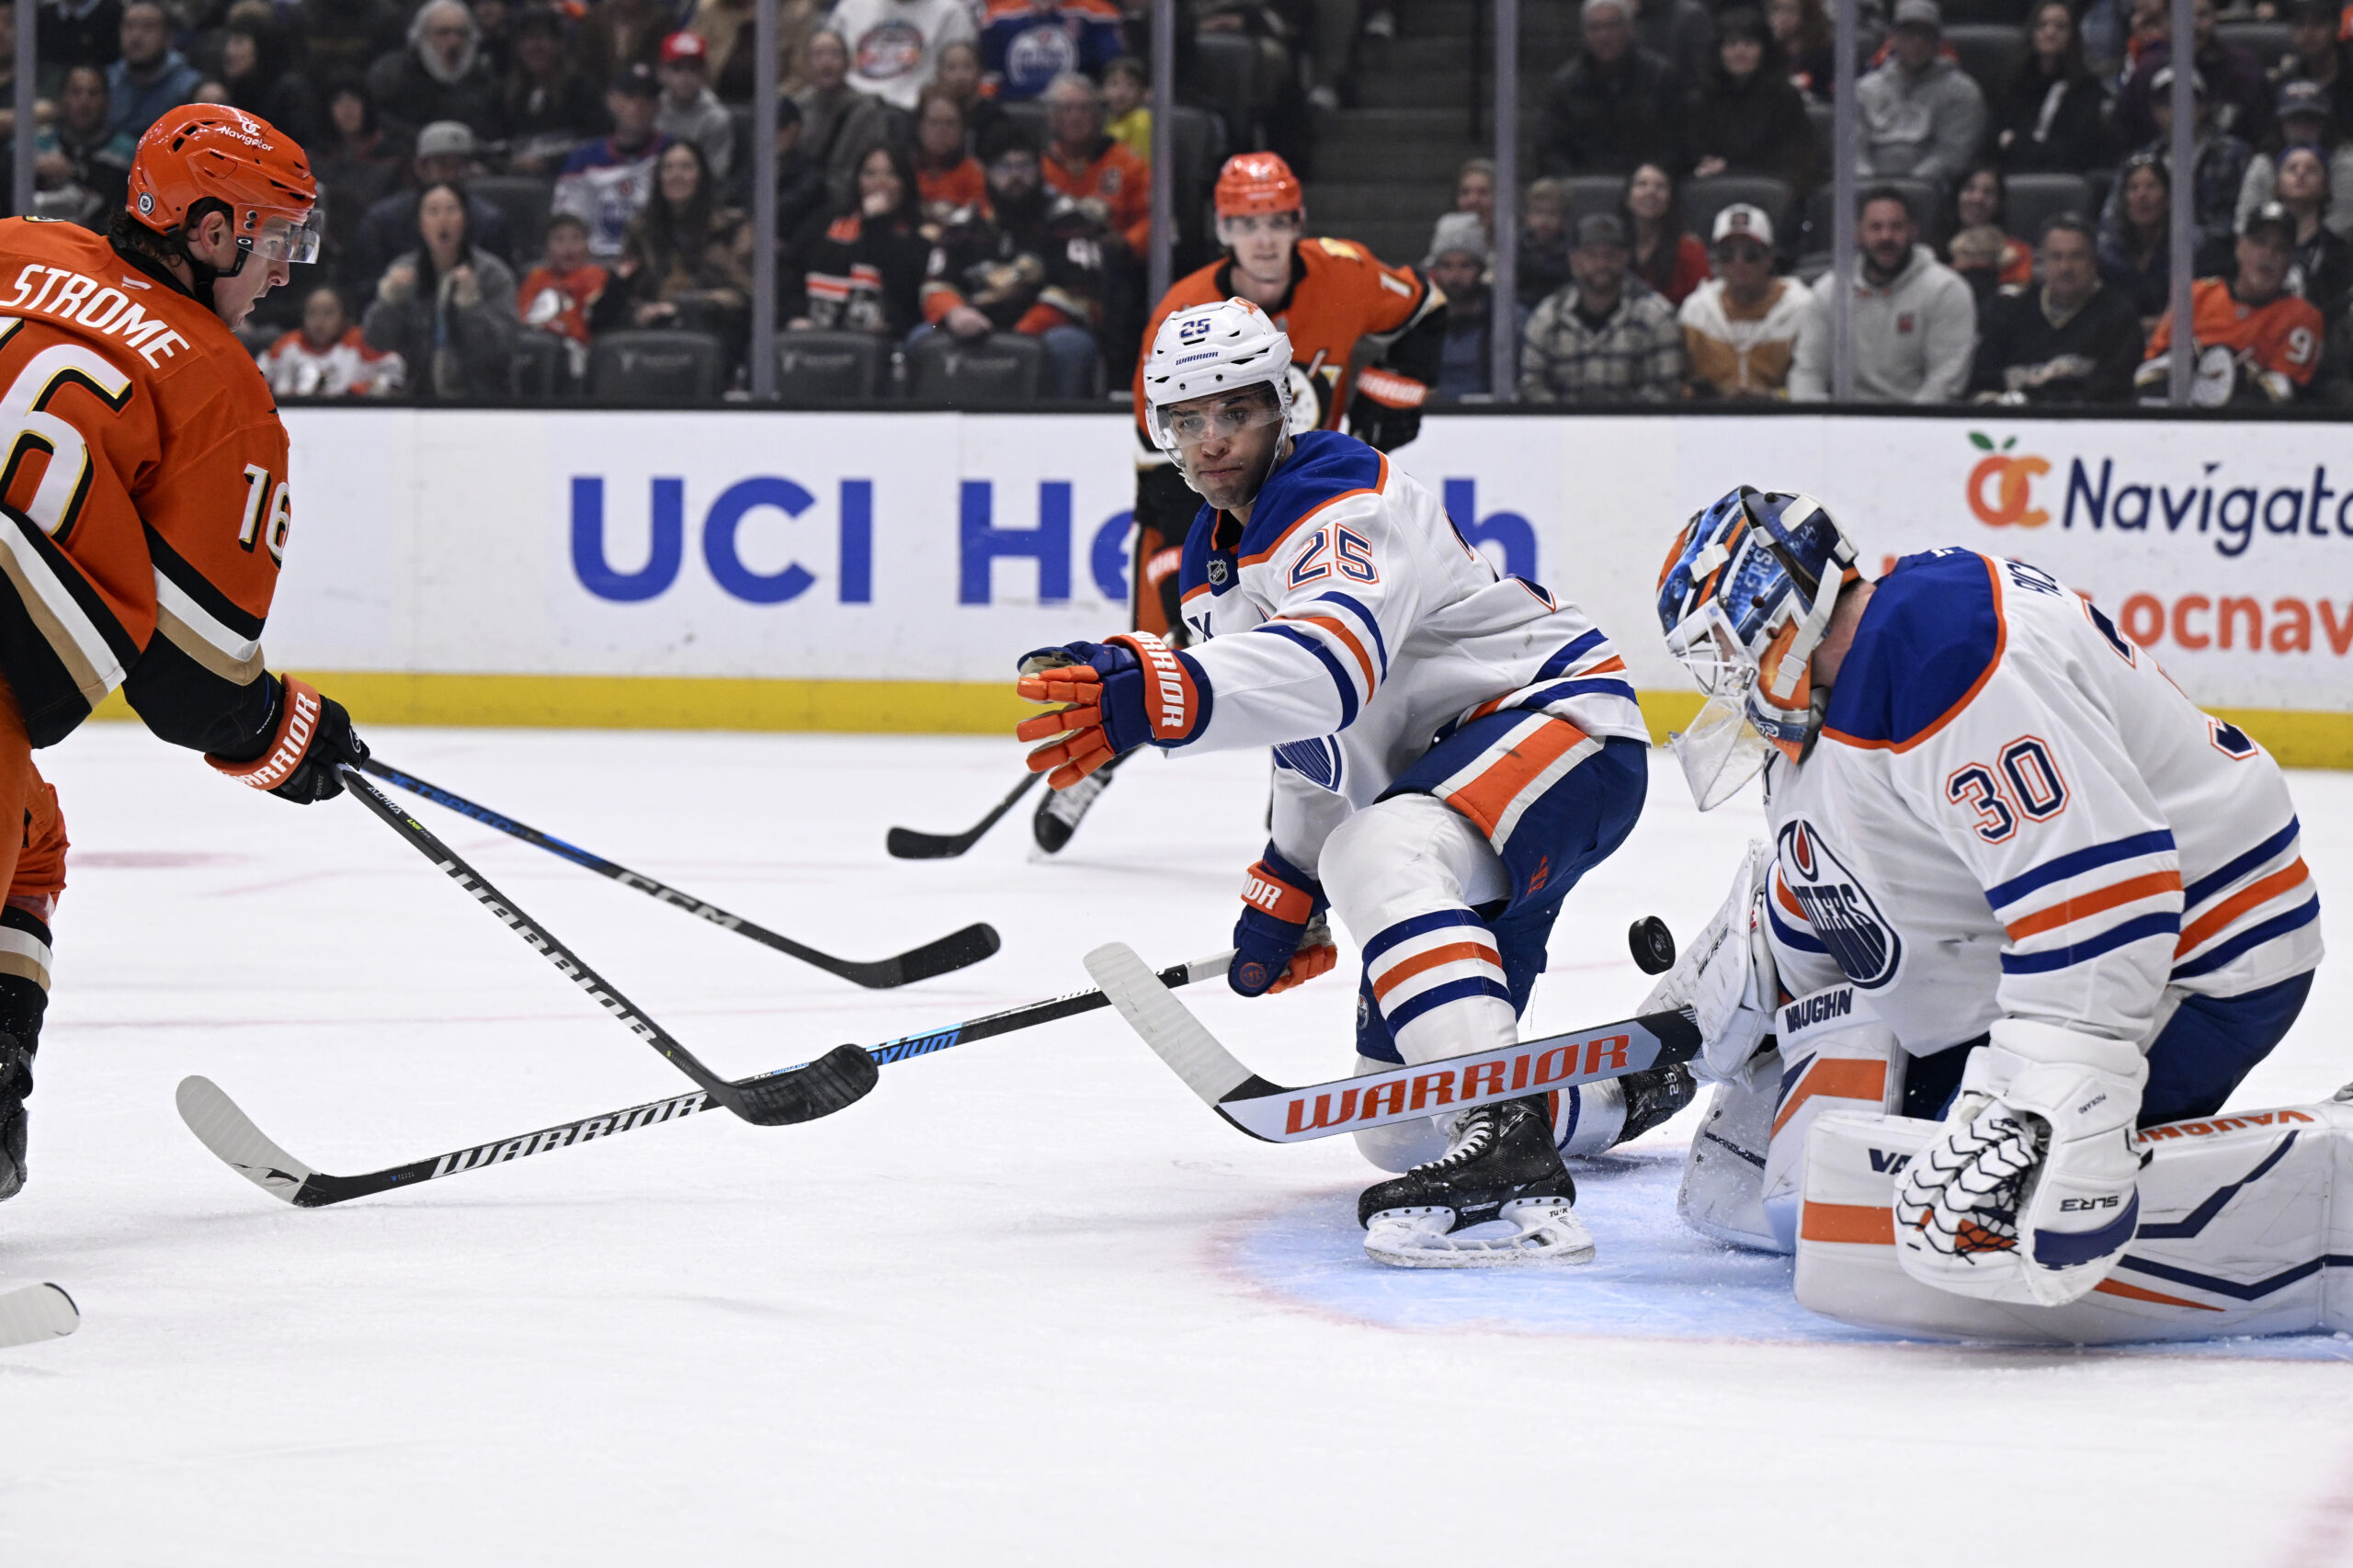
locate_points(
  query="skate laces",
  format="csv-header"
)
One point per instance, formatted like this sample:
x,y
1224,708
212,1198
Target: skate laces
x,y
1479,1131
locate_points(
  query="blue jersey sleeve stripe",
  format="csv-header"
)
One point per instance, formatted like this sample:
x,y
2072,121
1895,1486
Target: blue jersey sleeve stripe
x,y
1340,678
1790,936
1565,659
1568,688
2207,887
1437,996
1371,624
2280,925
1418,926
2164,922
2076,863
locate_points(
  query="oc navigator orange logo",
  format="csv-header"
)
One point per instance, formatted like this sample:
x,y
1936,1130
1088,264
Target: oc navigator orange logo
x,y
2000,488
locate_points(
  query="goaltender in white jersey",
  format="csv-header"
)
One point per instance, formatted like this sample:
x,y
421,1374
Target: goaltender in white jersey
x,y
1453,750
2026,909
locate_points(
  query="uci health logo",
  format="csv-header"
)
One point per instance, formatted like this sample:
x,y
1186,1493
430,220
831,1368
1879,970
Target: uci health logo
x,y
2000,489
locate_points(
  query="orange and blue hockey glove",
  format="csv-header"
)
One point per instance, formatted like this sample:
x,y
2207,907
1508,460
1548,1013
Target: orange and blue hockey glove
x,y
1281,939
1113,696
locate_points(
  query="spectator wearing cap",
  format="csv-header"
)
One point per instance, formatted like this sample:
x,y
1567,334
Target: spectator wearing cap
x,y
445,155
1616,105
1741,329
1607,337
1919,116
2050,115
1032,264
689,109
1914,320
2069,340
1748,118
894,44
1458,261
2218,161
441,74
2306,120
150,76
840,122
1026,44
2255,342
2241,95
1081,163
2319,55
1544,240
550,108
606,183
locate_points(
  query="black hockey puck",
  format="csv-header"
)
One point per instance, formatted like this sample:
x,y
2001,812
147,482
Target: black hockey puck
x,y
1653,945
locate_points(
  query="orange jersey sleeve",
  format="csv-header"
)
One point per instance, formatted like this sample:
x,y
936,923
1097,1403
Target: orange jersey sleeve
x,y
144,494
2283,336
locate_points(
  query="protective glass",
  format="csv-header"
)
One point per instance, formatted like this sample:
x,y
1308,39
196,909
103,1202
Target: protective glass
x,y
1188,425
1722,751
283,237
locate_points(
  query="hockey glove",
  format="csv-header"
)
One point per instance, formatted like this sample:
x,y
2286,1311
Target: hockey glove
x,y
1281,939
1727,976
1116,696
2031,1194
1386,412
312,737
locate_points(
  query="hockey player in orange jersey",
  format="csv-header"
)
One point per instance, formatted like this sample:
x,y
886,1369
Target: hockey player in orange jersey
x,y
144,509
1367,337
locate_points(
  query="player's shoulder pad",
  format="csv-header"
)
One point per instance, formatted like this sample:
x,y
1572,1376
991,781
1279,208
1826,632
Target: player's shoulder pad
x,y
1929,640
1325,466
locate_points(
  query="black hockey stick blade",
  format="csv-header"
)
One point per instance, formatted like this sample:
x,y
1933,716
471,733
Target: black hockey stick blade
x,y
1276,1113
906,843
233,1139
841,1077
30,1314
958,949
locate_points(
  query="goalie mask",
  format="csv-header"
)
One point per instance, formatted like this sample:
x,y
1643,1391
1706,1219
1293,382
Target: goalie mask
x,y
1745,598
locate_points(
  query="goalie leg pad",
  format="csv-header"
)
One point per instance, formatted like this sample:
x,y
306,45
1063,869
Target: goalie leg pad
x,y
2237,1235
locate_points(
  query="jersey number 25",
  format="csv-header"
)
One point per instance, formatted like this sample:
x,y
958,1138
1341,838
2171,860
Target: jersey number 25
x,y
1336,547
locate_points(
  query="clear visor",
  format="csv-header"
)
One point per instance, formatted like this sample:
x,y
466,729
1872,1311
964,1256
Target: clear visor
x,y
1189,424
1722,751
284,237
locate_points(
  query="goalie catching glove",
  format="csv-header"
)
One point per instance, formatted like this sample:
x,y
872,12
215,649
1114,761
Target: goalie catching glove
x,y
2031,1194
1727,976
1281,939
1115,695
311,739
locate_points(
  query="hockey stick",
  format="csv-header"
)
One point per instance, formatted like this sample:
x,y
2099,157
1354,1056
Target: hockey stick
x,y
231,1134
951,952
1276,1114
906,843
798,1094
31,1314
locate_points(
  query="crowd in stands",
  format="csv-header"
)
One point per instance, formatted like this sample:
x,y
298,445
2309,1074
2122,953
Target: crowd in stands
x,y
507,183
1635,291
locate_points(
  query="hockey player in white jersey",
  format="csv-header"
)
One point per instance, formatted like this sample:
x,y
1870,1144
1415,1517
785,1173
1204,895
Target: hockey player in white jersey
x,y
1453,750
2019,885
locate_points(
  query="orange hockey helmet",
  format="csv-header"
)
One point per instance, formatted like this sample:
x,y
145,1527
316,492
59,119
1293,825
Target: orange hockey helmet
x,y
1257,182
211,152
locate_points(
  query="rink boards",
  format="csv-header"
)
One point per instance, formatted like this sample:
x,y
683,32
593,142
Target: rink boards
x,y
759,570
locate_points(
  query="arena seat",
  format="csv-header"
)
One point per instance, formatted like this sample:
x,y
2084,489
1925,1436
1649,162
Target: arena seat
x,y
830,367
1001,371
656,367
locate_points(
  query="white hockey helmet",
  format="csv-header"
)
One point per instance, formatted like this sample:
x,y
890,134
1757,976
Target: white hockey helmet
x,y
1213,348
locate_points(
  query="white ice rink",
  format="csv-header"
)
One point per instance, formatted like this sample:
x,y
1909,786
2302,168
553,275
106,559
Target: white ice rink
x,y
1029,1303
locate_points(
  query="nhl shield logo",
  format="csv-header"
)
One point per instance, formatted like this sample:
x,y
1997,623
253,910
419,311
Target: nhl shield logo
x,y
1218,572
1840,908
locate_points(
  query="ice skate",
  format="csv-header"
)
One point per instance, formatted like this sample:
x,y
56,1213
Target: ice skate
x,y
1502,1166
1058,814
15,1082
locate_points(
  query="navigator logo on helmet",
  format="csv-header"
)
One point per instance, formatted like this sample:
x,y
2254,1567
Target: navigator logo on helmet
x,y
1745,599
201,158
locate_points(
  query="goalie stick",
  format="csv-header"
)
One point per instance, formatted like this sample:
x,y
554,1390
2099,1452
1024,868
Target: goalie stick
x,y
819,1088
1276,1114
954,951
231,1134
30,1314
906,843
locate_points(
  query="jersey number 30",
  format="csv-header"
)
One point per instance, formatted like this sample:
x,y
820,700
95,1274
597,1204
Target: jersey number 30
x,y
2026,781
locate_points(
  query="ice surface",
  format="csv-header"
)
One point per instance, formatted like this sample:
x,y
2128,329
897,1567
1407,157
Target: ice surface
x,y
1029,1303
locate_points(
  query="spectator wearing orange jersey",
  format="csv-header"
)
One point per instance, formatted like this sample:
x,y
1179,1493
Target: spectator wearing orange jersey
x,y
947,177
1113,183
2254,341
558,294
325,357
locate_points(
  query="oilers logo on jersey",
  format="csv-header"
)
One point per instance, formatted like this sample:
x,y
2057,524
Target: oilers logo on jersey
x,y
1838,907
